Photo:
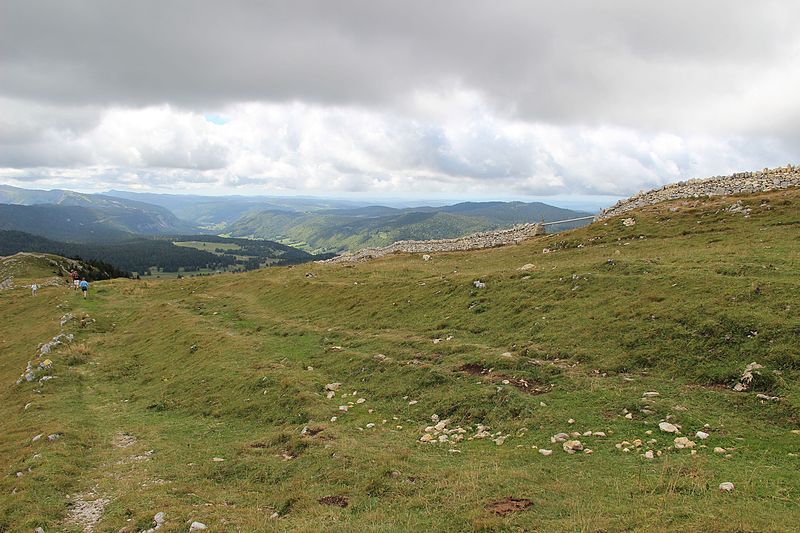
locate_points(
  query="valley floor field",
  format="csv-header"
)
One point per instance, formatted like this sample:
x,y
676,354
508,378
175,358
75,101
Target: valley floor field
x,y
298,398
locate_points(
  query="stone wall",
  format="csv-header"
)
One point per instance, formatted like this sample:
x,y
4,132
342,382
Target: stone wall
x,y
743,182
476,241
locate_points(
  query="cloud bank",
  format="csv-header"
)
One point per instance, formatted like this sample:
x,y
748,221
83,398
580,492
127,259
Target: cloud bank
x,y
472,99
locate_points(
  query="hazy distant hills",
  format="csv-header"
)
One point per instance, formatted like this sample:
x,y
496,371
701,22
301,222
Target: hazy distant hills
x,y
70,216
351,229
316,225
216,212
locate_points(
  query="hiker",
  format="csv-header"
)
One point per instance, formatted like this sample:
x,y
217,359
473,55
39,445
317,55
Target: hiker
x,y
84,287
75,284
34,288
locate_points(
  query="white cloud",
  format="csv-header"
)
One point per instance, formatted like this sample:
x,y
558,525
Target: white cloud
x,y
444,144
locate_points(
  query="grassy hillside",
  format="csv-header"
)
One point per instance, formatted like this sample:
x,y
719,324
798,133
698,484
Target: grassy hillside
x,y
353,229
22,269
206,398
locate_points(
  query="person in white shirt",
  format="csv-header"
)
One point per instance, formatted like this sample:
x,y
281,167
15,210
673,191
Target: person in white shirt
x,y
34,288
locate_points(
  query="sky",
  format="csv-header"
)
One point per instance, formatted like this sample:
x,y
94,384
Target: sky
x,y
466,99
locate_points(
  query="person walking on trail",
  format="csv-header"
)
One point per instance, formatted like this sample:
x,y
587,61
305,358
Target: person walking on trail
x,y
34,288
84,287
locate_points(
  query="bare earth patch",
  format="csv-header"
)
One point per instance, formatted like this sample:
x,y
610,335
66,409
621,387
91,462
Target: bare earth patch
x,y
508,505
339,501
123,440
85,512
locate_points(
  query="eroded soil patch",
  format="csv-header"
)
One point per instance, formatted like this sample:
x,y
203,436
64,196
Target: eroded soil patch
x,y
508,505
338,501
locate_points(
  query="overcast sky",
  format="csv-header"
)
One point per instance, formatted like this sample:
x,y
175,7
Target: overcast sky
x,y
426,99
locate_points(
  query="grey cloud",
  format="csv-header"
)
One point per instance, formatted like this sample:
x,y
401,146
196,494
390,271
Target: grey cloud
x,y
622,62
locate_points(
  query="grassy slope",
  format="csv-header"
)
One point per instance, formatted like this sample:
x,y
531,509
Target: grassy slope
x,y
680,311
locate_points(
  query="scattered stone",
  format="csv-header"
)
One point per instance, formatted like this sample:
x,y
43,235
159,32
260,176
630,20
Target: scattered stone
x,y
370,425
702,435
598,434
426,257
720,450
413,402
648,454
37,437
54,437
667,427
683,442
361,400
747,377
650,395
500,440
572,446
427,437
629,416
726,486
559,437
344,408
628,222
571,421
527,266
197,526
332,386
767,398
545,452
218,459
479,284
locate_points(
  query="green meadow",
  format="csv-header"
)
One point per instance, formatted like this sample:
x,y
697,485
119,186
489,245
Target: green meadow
x,y
209,398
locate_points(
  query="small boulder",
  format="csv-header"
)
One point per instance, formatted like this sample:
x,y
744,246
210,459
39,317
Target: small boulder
x,y
727,486
545,452
572,446
667,427
197,526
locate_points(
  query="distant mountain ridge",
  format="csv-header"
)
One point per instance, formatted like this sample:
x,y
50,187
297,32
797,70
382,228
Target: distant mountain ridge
x,y
376,226
78,217
316,225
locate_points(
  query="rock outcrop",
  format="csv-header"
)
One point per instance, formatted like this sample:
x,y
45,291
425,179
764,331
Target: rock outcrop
x,y
476,241
742,182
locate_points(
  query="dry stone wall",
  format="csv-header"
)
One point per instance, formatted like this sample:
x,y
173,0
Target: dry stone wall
x,y
476,241
743,182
